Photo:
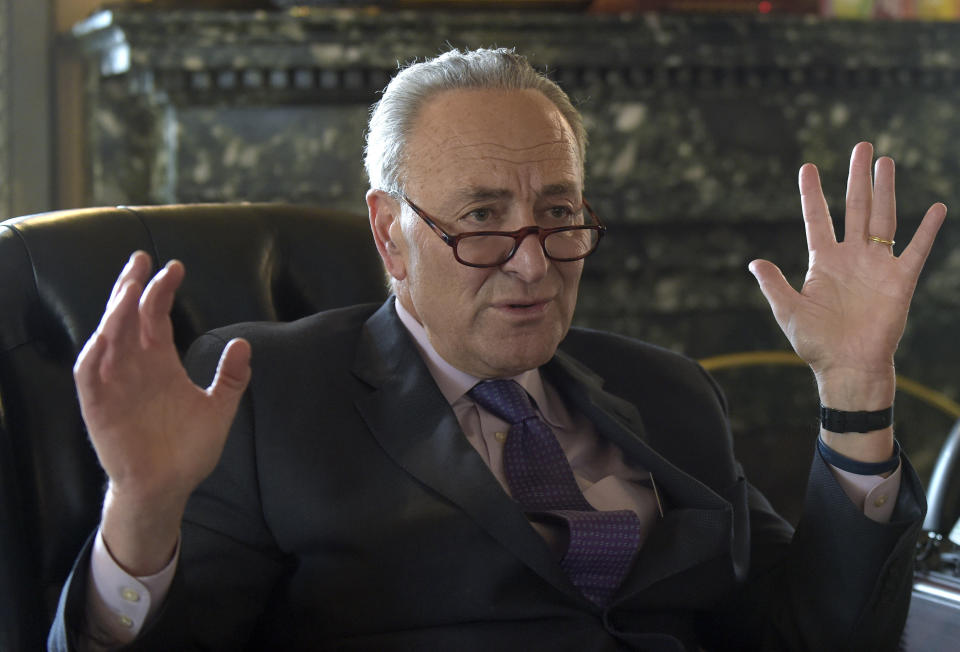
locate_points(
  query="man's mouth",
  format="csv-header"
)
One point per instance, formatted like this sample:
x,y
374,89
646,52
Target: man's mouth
x,y
524,306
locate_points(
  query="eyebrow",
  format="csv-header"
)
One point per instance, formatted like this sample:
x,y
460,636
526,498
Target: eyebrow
x,y
481,193
554,189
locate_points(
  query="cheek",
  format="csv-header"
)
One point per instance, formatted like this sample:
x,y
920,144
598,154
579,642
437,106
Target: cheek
x,y
451,290
421,260
571,279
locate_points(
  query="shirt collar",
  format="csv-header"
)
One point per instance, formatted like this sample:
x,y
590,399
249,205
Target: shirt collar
x,y
454,384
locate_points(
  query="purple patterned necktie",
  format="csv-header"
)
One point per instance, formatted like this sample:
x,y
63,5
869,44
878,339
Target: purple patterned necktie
x,y
602,544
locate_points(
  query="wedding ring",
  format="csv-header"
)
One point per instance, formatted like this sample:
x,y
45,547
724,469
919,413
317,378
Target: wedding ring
x,y
876,238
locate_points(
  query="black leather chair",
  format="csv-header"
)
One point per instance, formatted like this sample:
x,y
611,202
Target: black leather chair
x,y
244,262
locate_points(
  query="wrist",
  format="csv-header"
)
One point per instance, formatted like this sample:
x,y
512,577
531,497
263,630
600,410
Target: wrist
x,y
883,468
141,535
870,447
857,390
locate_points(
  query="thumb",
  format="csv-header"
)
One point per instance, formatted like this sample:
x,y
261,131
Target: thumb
x,y
233,374
781,297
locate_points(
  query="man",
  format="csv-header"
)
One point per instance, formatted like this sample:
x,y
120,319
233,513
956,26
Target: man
x,y
365,488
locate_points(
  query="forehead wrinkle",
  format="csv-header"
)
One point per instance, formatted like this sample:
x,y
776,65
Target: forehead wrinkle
x,y
511,161
559,142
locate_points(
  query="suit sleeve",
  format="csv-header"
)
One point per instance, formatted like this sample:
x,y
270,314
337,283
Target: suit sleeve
x,y
842,583
856,572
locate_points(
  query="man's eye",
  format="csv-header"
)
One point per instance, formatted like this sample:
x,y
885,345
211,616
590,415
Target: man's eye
x,y
477,216
560,213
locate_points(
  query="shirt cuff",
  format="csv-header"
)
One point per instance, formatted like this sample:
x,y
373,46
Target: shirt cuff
x,y
874,495
119,604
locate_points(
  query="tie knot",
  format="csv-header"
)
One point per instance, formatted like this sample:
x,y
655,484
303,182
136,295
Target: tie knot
x,y
504,398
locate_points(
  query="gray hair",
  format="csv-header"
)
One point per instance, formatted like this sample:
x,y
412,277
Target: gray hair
x,y
393,116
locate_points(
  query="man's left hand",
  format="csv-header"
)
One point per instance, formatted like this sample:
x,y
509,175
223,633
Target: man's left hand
x,y
848,317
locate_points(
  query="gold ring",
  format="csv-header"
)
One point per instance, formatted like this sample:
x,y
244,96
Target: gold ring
x,y
876,238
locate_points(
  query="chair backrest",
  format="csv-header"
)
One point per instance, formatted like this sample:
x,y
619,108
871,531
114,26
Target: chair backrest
x,y
244,262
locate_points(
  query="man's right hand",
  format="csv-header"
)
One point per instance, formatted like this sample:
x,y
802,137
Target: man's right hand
x,y
156,433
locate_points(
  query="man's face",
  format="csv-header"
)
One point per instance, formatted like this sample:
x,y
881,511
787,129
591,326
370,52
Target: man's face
x,y
487,160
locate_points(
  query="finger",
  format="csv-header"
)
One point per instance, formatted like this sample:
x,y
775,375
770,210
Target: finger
x,y
115,324
157,301
120,328
859,193
915,255
86,369
883,218
816,214
119,324
137,268
232,377
781,297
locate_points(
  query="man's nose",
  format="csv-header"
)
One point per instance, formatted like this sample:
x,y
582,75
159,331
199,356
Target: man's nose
x,y
530,263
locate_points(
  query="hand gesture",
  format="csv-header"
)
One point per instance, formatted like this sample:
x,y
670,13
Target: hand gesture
x,y
157,435
848,317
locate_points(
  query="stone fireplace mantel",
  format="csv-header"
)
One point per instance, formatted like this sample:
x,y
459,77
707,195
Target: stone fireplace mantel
x,y
698,125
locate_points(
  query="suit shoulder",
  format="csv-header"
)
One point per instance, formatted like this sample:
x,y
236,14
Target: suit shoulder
x,y
329,335
335,323
635,369
605,349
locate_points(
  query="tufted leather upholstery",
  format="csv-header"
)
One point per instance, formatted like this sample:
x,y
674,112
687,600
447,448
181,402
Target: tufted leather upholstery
x,y
244,262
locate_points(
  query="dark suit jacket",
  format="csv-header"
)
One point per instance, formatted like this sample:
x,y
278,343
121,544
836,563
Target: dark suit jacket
x,y
349,512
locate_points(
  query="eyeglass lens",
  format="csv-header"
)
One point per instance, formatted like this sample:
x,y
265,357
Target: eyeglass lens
x,y
572,244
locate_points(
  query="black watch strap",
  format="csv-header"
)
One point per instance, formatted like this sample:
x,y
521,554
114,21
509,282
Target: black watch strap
x,y
863,421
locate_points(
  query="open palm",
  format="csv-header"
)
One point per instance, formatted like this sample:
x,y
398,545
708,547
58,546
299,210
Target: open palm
x,y
848,317
155,432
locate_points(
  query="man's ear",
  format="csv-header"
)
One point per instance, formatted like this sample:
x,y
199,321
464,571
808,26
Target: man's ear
x,y
384,212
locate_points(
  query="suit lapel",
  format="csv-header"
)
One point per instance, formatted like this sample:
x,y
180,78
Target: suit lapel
x,y
697,524
414,424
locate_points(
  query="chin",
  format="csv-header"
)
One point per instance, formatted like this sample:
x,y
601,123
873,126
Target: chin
x,y
515,359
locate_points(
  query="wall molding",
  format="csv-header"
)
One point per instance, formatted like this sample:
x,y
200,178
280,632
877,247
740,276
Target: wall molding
x,y
316,52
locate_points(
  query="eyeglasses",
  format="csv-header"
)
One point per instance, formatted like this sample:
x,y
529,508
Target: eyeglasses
x,y
494,248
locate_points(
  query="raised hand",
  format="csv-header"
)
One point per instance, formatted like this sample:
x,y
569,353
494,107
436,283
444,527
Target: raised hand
x,y
157,435
848,317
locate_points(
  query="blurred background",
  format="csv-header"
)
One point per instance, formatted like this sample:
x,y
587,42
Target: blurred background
x,y
699,112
